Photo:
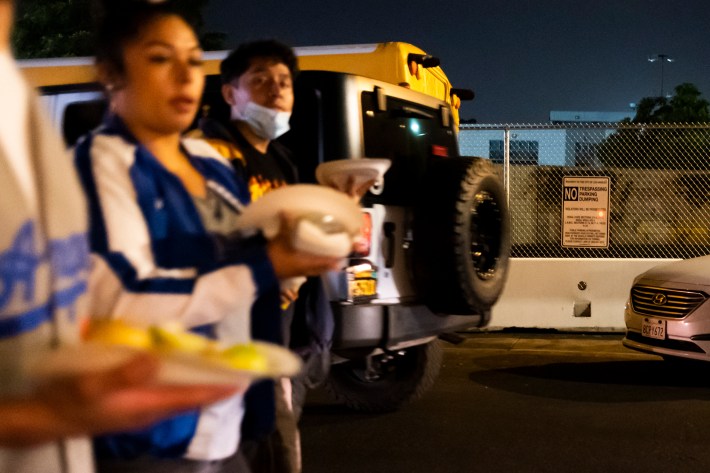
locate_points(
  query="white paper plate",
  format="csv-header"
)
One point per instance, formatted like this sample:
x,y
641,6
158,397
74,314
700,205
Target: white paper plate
x,y
337,173
300,199
175,368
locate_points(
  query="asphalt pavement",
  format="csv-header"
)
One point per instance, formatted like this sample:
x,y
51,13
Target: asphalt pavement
x,y
527,402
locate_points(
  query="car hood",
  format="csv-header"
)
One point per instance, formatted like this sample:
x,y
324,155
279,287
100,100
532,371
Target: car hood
x,y
695,271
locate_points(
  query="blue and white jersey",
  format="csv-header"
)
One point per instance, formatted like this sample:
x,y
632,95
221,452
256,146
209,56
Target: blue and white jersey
x,y
44,266
154,262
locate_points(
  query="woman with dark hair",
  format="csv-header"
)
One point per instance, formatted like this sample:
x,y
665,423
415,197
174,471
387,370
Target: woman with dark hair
x,y
162,211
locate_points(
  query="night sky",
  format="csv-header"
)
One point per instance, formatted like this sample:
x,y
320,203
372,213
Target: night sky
x,y
523,58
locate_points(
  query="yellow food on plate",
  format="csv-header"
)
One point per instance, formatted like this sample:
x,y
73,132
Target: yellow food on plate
x,y
171,340
184,342
245,357
117,332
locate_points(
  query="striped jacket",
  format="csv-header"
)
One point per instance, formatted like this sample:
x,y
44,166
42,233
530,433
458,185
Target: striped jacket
x,y
153,262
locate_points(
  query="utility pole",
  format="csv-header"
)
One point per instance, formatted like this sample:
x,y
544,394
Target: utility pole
x,y
662,58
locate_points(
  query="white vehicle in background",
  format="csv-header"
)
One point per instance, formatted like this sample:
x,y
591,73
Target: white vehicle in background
x,y
668,312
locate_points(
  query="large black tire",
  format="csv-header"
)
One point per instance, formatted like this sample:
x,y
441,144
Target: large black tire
x,y
396,381
461,237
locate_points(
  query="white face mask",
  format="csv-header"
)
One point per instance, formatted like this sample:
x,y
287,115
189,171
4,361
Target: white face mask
x,y
265,122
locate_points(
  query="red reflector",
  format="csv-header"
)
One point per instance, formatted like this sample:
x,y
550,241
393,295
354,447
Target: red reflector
x,y
441,151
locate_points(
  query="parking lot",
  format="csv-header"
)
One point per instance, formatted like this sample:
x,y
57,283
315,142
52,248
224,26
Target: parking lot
x,y
528,402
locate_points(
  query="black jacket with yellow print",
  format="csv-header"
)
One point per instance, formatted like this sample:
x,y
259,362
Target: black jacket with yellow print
x,y
262,171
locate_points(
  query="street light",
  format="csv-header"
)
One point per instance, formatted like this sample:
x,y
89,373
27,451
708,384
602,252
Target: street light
x,y
662,58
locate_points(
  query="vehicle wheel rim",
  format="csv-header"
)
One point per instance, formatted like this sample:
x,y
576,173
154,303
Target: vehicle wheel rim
x,y
486,234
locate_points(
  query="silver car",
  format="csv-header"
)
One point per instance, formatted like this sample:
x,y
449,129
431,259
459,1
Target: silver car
x,y
668,312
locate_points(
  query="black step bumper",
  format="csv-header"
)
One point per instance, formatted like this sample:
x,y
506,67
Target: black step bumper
x,y
381,326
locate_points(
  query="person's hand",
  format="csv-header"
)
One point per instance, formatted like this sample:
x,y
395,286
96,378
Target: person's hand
x,y
122,398
288,297
289,290
289,262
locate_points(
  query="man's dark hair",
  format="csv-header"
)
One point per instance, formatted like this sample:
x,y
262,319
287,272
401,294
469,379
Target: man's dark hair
x,y
240,59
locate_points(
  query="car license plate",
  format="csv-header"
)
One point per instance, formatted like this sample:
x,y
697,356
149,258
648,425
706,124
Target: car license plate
x,y
653,328
363,288
362,285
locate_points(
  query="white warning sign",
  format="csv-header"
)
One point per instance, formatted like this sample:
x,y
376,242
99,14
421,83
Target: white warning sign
x,y
585,212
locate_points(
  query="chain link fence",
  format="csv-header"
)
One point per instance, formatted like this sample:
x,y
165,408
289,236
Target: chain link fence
x,y
602,190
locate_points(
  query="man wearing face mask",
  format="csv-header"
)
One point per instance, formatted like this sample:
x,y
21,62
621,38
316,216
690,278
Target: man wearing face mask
x,y
257,84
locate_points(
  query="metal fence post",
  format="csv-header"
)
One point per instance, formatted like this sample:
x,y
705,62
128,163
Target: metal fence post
x,y
506,164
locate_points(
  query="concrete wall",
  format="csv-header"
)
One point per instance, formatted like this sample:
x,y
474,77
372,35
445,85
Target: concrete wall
x,y
541,293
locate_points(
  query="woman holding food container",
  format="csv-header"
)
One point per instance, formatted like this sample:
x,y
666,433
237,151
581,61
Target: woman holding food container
x,y
163,212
